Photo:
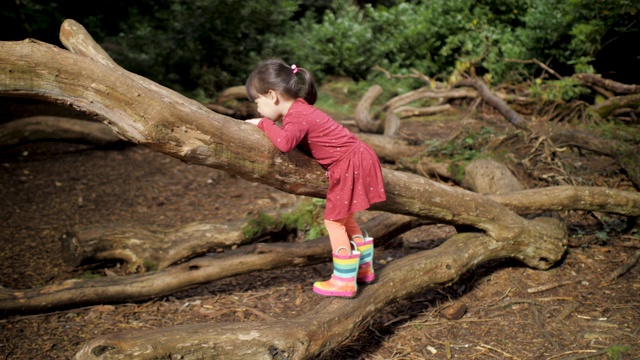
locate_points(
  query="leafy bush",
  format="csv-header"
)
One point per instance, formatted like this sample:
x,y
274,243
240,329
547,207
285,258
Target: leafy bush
x,y
431,36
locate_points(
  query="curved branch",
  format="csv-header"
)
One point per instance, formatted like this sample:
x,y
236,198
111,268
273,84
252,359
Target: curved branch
x,y
499,104
364,122
566,197
607,107
597,80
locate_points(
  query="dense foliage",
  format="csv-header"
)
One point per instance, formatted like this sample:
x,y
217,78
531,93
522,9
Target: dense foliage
x,y
201,46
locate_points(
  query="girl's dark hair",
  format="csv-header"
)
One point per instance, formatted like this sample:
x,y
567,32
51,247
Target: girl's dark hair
x,y
275,74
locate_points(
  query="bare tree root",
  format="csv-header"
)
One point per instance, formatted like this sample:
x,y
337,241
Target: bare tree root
x,y
334,320
626,156
245,259
606,108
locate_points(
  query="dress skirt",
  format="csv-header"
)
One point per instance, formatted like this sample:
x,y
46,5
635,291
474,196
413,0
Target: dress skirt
x,y
355,182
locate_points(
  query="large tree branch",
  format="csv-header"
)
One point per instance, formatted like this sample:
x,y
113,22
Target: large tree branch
x,y
307,336
146,113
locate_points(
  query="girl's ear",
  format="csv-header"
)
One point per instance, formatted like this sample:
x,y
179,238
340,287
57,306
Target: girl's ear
x,y
272,95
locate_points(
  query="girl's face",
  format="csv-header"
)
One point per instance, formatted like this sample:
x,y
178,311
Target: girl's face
x,y
267,106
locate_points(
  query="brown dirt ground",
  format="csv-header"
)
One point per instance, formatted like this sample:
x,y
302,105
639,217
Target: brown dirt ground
x,y
49,188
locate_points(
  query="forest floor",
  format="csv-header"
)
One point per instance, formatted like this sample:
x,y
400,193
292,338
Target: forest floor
x,y
568,312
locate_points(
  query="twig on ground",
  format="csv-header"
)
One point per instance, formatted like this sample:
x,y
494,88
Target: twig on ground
x,y
546,287
633,260
589,353
536,317
537,62
566,312
497,350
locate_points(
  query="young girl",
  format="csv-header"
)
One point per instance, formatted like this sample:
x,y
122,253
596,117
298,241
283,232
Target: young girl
x,y
355,177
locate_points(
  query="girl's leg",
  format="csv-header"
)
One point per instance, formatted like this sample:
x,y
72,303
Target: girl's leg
x,y
365,246
338,235
352,227
345,263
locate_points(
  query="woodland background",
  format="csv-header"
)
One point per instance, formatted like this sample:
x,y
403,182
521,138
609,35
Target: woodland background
x,y
201,47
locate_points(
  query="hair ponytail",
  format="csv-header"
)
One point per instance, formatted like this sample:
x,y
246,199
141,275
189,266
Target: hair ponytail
x,y
309,92
275,74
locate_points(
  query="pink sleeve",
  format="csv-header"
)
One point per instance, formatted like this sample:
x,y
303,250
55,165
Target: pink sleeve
x,y
285,138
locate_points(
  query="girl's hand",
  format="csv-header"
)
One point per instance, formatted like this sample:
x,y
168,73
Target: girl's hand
x,y
253,121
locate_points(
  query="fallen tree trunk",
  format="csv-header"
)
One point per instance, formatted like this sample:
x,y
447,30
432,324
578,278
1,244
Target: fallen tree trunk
x,y
146,248
307,337
43,128
202,270
249,258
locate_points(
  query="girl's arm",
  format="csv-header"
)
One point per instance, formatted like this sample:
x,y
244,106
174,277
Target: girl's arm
x,y
285,138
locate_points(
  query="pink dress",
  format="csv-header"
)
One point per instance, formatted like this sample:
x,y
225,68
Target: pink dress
x,y
355,176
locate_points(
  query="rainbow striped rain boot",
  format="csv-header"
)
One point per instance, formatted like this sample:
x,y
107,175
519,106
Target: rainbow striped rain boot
x,y
365,246
343,281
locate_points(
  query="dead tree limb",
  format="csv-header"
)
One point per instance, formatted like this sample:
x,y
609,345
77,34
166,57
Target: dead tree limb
x,y
390,149
597,80
143,248
566,197
202,270
502,107
44,128
608,107
364,121
389,123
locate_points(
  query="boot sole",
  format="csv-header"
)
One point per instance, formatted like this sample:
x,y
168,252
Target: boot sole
x,y
347,294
